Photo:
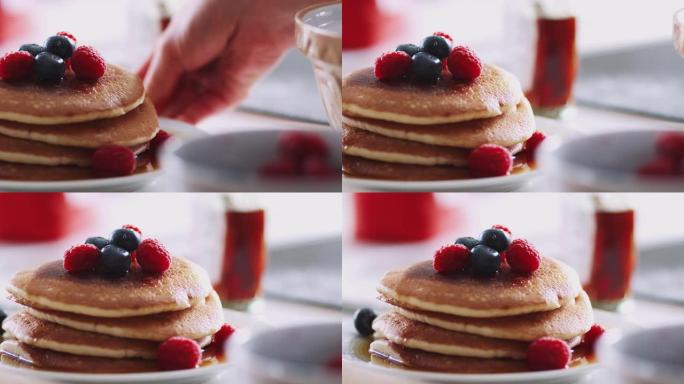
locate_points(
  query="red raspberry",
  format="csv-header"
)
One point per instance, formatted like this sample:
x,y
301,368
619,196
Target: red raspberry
x,y
113,160
158,140
279,168
392,65
490,160
132,228
660,166
591,337
670,144
81,257
87,63
317,166
464,64
451,258
522,257
532,143
219,339
67,35
179,353
17,65
153,256
444,35
548,353
503,228
298,145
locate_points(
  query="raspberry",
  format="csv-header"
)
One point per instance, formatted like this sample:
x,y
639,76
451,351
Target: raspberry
x,y
81,257
464,64
503,228
444,35
532,143
591,337
219,339
548,353
87,63
158,140
392,65
17,65
317,166
522,257
68,35
298,145
279,168
113,160
670,144
451,258
179,353
490,160
660,166
152,256
132,228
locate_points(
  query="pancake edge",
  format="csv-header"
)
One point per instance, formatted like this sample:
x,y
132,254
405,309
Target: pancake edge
x,y
26,158
356,110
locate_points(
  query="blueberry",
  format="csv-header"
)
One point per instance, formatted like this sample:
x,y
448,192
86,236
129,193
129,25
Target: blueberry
x,y
115,261
496,238
436,46
426,67
33,49
61,46
411,49
469,242
49,67
98,241
126,239
484,261
363,321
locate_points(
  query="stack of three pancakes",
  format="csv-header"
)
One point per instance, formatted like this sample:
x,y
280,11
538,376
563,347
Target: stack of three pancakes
x,y
465,324
100,325
407,131
50,131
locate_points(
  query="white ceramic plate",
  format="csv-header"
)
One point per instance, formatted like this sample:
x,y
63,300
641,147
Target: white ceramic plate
x,y
244,324
181,131
487,184
572,375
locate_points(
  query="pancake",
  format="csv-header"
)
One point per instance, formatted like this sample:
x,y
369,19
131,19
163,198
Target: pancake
x,y
356,142
448,101
32,152
569,321
553,285
49,286
203,319
71,101
509,129
136,127
31,172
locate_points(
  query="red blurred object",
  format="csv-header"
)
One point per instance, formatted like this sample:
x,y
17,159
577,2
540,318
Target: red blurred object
x,y
396,217
28,217
362,23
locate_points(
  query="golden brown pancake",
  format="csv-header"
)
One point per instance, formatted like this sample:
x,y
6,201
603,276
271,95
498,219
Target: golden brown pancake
x,y
448,101
511,128
138,293
569,321
360,143
73,100
136,127
31,172
203,319
553,285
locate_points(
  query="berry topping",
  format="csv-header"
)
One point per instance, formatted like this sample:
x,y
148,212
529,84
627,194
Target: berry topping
x,y
496,239
33,49
87,63
445,35
115,261
221,336
317,166
503,228
392,65
158,140
490,160
67,34
81,257
133,228
670,144
548,353
363,321
49,67
410,49
591,337
99,242
127,239
469,242
451,258
153,256
113,160
61,46
522,257
17,65
298,145
437,46
279,167
484,261
179,353
533,143
660,166
464,64
425,67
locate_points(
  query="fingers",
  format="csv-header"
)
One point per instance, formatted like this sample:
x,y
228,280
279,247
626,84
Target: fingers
x,y
142,71
162,75
201,108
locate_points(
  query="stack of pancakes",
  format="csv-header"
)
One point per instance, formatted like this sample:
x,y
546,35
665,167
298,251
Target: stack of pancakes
x,y
50,131
460,323
408,131
91,323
